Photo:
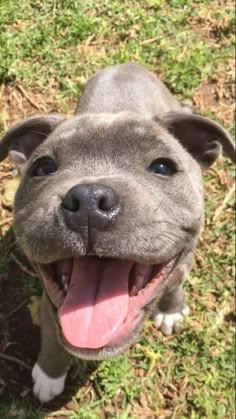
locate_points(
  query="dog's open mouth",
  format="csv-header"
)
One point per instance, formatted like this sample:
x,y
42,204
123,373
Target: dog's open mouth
x,y
100,300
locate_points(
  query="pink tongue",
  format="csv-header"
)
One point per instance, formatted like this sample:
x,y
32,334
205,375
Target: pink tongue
x,y
96,303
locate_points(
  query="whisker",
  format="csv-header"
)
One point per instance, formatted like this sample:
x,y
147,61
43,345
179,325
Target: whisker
x,y
157,208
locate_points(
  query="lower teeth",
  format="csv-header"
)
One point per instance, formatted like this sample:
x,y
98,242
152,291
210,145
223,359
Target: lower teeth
x,y
134,291
65,288
64,281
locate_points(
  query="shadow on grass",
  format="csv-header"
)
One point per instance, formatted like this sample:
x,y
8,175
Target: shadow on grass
x,y
20,338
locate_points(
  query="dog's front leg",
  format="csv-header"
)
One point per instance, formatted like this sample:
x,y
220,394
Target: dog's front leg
x,y
172,307
50,370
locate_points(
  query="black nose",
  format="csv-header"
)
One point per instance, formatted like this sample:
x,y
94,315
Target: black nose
x,y
92,205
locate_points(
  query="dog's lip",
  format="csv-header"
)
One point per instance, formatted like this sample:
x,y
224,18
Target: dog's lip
x,y
139,298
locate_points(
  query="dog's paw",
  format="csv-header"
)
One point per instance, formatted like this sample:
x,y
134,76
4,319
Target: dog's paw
x,y
46,388
167,322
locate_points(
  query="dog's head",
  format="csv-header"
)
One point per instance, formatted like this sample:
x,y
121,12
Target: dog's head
x,y
107,208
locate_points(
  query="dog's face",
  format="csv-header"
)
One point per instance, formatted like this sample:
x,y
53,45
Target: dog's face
x,y
107,208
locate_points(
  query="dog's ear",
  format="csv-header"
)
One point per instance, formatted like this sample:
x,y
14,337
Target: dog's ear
x,y
21,140
202,137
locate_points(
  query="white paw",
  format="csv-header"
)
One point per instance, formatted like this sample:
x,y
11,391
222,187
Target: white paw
x,y
46,388
166,322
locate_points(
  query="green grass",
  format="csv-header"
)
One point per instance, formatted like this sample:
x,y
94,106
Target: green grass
x,y
41,44
51,47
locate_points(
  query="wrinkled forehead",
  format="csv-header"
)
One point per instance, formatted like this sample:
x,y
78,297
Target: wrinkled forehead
x,y
115,135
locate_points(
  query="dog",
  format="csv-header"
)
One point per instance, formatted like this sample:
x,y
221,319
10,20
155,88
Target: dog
x,y
109,210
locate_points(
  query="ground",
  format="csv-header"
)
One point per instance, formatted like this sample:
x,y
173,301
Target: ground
x,y
47,51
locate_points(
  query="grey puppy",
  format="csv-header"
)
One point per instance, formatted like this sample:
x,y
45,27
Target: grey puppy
x,y
108,210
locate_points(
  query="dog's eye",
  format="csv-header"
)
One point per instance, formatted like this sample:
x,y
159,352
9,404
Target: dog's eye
x,y
44,167
164,167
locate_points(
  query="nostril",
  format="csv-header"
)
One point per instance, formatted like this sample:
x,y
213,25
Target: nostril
x,y
71,203
104,204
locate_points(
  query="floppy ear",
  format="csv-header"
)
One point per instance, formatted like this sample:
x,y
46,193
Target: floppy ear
x,y
21,140
202,137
